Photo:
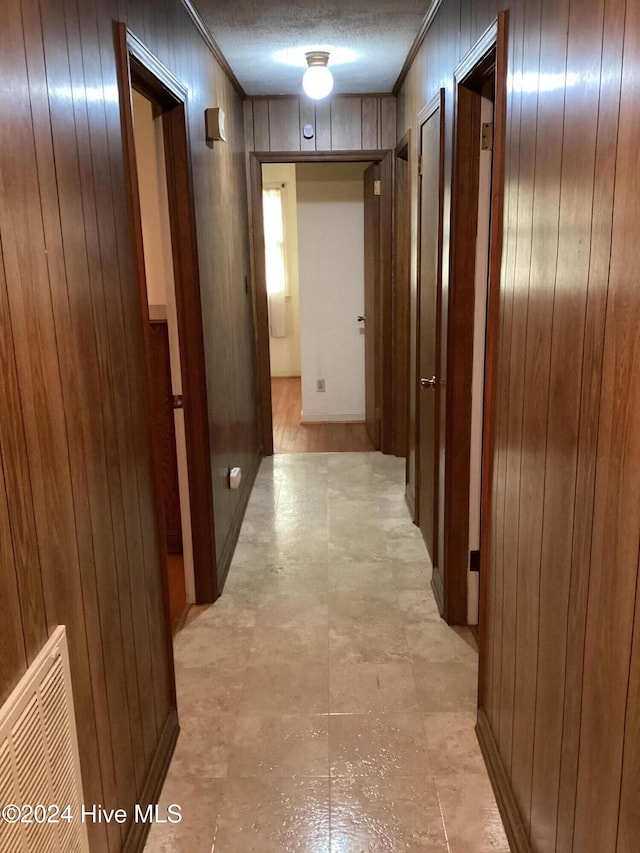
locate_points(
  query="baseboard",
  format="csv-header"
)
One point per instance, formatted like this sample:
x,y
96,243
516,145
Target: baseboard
x,y
516,833
137,835
410,500
345,418
438,589
234,531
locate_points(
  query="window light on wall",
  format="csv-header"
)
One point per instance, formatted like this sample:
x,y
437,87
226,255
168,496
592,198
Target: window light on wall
x,y
275,259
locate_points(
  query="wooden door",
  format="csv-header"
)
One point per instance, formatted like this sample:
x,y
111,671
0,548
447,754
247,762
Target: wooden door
x,y
372,300
428,336
164,430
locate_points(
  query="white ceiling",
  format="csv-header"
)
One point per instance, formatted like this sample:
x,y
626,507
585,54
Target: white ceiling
x,y
264,42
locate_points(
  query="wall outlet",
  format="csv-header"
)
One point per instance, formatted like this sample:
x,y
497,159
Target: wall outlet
x,y
320,386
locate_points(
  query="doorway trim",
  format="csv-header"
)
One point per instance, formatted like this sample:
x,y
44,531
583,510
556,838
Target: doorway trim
x,y
490,51
385,157
402,297
136,65
437,103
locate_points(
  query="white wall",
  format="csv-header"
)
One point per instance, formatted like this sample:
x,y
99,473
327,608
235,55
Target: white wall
x,y
331,268
285,352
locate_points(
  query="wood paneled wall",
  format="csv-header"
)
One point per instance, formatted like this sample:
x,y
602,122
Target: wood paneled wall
x,y
78,544
561,661
342,123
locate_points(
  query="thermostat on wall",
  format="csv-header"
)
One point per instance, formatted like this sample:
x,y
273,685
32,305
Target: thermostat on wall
x,y
214,124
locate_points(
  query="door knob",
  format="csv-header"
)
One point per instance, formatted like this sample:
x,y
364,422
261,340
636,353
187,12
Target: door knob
x,y
361,318
428,383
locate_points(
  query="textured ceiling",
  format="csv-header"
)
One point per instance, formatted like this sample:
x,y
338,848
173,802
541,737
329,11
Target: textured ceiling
x,y
264,42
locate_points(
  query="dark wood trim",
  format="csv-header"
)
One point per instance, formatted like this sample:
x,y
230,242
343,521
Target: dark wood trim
x,y
478,53
138,832
401,360
468,75
492,333
213,46
417,44
152,71
335,96
261,313
133,197
403,148
167,92
436,103
361,156
385,349
513,825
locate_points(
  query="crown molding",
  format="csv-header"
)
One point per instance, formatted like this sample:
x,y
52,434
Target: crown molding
x,y
417,44
213,46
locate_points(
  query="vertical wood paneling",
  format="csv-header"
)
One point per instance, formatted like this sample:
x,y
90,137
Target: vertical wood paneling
x,y
342,123
79,544
261,125
284,124
323,126
560,676
601,228
346,124
370,122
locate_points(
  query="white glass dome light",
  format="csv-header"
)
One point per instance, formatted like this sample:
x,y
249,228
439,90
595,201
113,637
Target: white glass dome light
x,y
317,80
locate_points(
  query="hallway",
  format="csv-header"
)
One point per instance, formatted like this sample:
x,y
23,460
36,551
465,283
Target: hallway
x,y
324,706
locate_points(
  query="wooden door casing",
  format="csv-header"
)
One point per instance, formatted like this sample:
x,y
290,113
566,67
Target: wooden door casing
x,y
372,303
428,334
164,427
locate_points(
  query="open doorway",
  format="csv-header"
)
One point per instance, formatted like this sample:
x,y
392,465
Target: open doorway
x,y
375,328
321,243
167,414
153,112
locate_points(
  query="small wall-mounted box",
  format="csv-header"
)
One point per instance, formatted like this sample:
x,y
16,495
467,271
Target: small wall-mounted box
x,y
214,125
235,478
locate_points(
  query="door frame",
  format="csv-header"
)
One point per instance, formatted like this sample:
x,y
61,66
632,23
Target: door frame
x,y
402,299
385,158
435,104
138,67
491,49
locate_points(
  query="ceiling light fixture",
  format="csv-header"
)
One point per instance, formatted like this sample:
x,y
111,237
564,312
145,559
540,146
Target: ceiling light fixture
x,y
317,80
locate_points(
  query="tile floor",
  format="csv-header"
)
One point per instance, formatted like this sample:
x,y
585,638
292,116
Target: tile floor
x,y
324,704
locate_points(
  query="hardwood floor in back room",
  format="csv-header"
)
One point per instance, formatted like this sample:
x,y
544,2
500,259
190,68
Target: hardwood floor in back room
x,y
290,436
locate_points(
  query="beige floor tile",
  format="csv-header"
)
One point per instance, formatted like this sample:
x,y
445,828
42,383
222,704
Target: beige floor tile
x,y
361,639
434,641
221,689
273,815
418,606
385,815
378,745
450,686
281,745
290,644
205,740
471,817
372,687
199,800
325,668
452,743
289,688
412,574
